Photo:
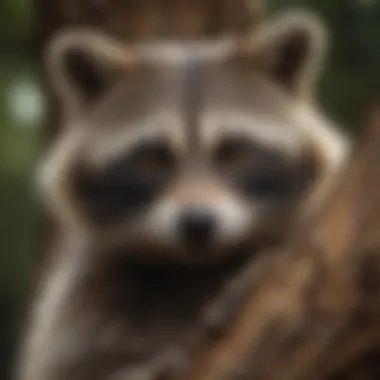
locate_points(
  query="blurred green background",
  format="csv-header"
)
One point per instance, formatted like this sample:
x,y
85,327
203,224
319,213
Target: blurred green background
x,y
352,75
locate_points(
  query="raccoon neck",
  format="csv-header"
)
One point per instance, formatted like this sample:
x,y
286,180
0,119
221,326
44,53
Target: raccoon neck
x,y
170,285
159,304
164,293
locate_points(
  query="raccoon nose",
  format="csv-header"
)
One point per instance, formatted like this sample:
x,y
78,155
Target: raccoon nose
x,y
197,227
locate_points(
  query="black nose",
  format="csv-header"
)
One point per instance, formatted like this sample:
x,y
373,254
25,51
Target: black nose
x,y
197,227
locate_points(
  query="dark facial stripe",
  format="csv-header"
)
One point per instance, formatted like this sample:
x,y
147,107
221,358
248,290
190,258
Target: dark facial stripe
x,y
127,186
192,100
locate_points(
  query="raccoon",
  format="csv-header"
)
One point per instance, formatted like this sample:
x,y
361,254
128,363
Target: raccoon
x,y
226,147
203,153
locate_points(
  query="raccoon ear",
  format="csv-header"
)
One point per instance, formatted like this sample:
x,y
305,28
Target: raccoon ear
x,y
294,48
83,64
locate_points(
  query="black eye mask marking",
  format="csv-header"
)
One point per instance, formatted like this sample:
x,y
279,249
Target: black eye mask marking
x,y
260,172
127,185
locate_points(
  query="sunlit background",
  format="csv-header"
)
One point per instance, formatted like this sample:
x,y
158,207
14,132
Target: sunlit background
x,y
352,75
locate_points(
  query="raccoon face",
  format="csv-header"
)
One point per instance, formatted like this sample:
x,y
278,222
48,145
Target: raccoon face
x,y
197,151
197,194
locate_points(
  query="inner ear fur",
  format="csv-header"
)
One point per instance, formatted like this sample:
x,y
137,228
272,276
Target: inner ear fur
x,y
293,47
83,64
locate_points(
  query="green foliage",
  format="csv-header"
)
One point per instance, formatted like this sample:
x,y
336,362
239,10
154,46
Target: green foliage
x,y
15,18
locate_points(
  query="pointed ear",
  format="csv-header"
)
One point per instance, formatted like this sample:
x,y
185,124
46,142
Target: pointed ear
x,y
83,64
294,47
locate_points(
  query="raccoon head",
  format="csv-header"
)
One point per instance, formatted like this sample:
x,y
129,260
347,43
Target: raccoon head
x,y
196,149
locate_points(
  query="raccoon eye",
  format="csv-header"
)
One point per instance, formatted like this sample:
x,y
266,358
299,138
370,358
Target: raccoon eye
x,y
153,159
234,154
